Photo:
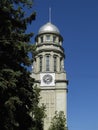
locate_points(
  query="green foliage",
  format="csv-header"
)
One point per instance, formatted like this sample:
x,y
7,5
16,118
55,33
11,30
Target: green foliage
x,y
58,122
17,97
38,112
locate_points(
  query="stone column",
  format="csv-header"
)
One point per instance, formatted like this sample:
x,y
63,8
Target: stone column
x,y
58,64
37,64
62,64
51,63
44,63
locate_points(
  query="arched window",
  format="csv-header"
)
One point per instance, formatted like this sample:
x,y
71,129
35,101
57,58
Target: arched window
x,y
40,63
41,39
55,63
54,39
47,37
47,62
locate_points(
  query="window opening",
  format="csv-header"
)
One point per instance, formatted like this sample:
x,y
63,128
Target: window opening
x,y
40,63
41,39
47,37
55,63
54,38
47,63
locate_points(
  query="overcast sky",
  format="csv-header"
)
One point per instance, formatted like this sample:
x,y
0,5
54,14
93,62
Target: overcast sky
x,y
77,21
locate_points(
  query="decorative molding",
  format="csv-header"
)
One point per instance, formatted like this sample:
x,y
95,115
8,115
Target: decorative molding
x,y
47,50
57,81
50,43
61,81
53,88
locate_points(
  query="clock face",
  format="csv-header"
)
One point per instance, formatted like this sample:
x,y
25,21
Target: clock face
x,y
47,79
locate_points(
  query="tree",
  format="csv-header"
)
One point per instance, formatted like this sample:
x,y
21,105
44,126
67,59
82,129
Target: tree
x,y
17,97
58,122
39,111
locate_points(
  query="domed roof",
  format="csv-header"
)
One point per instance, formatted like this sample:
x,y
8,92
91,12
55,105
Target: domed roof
x,y
49,27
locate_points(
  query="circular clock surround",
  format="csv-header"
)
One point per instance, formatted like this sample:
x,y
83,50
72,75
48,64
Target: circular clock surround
x,y
47,79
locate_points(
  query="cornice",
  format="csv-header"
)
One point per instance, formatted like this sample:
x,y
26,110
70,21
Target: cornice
x,y
62,81
57,81
49,50
48,43
53,88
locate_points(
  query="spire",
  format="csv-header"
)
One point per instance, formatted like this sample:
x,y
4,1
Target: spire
x,y
50,15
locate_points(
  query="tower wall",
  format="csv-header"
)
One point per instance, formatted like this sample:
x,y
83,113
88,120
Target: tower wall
x,y
49,73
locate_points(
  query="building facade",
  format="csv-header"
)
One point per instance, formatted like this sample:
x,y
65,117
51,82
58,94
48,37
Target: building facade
x,y
48,71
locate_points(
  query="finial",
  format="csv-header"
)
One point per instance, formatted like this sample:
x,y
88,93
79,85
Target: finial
x,y
50,15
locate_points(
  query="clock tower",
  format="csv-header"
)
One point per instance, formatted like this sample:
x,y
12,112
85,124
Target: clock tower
x,y
49,72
